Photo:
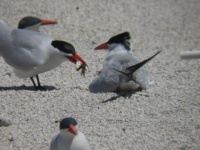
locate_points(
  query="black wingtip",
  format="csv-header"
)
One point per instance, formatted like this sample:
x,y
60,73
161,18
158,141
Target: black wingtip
x,y
139,65
130,70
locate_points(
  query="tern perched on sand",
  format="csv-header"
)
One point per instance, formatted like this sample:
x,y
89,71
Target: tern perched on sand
x,y
114,77
69,138
31,52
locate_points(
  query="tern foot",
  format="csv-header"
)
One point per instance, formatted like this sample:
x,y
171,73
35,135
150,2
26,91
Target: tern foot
x,y
81,66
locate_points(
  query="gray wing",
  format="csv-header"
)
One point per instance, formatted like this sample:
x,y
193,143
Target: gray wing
x,y
28,48
109,79
104,83
139,78
5,35
54,145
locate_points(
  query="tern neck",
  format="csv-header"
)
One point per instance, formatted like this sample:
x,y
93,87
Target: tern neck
x,y
66,134
118,48
33,28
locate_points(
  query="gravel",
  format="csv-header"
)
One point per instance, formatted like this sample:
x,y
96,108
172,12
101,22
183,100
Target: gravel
x,y
166,116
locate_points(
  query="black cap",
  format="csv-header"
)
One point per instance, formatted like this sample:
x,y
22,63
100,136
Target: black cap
x,y
122,38
28,21
64,47
65,123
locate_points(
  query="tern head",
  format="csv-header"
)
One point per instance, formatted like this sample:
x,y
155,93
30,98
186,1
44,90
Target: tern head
x,y
120,39
33,23
69,125
68,51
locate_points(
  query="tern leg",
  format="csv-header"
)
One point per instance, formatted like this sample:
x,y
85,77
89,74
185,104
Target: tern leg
x,y
38,81
39,87
33,83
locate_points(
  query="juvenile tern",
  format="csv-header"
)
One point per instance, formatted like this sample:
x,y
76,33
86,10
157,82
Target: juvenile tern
x,y
119,58
69,138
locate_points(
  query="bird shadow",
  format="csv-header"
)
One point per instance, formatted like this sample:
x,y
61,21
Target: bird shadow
x,y
29,88
113,98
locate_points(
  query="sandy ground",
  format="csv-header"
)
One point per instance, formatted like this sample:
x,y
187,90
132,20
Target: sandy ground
x,y
164,117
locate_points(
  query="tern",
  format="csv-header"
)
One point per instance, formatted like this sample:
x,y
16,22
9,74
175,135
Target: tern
x,y
31,52
34,23
69,138
121,71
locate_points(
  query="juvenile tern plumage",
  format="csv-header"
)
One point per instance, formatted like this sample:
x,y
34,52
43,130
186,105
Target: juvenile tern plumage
x,y
69,138
119,59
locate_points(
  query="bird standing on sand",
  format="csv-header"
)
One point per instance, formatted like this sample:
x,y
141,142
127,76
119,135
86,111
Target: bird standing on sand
x,y
112,77
69,138
30,52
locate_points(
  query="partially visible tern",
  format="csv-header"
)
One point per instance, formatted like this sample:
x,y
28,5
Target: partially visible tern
x,y
31,52
69,138
116,75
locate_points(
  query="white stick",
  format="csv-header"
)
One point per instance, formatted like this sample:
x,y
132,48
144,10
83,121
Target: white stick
x,y
195,54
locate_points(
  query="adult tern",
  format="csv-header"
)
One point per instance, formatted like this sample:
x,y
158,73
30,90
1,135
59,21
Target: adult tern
x,y
112,77
34,23
30,52
69,138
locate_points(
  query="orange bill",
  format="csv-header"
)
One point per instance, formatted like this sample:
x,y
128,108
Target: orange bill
x,y
73,129
102,46
47,22
76,58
